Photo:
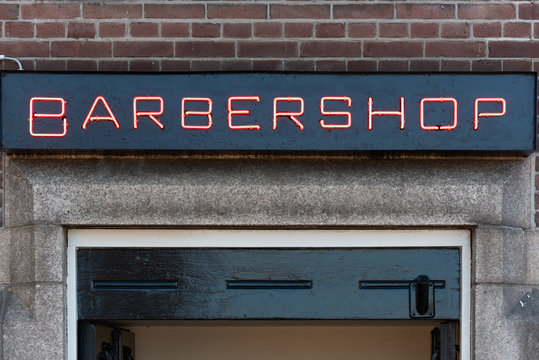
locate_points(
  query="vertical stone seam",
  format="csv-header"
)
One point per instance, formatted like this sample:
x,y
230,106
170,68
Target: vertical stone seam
x,y
3,299
3,194
534,189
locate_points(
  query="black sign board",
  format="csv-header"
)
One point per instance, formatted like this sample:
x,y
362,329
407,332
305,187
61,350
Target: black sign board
x,y
269,111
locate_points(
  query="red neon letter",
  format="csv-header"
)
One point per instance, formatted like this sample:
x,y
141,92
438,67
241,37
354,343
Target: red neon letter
x,y
381,113
187,113
41,115
335,113
151,114
241,112
486,114
100,118
291,115
438,127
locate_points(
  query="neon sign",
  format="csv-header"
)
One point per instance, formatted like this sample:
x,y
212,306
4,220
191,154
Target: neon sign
x,y
309,112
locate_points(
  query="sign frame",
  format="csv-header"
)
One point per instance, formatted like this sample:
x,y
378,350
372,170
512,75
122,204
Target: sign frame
x,y
317,112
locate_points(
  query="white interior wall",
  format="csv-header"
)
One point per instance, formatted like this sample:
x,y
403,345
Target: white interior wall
x,y
272,340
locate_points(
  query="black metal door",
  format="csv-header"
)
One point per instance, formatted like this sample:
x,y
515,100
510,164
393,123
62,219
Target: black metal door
x,y
174,283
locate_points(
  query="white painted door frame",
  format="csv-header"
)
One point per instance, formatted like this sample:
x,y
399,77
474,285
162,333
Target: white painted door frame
x,y
91,238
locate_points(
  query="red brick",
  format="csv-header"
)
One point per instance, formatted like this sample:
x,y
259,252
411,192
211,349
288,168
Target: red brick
x,y
9,12
273,49
205,30
536,30
425,11
175,29
237,30
362,30
455,30
536,218
486,65
299,65
455,49
204,49
12,65
144,65
363,11
517,65
268,30
113,65
17,29
424,30
111,29
81,48
486,11
331,49
487,29
455,65
24,48
424,65
299,11
175,65
80,30
50,65
50,11
298,30
330,65
236,65
205,65
50,30
81,65
362,65
392,49
237,11
112,11
528,11
392,65
143,48
327,30
144,29
517,29
267,65
517,49
393,30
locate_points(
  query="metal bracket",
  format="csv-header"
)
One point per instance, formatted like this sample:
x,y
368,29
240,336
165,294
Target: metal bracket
x,y
422,298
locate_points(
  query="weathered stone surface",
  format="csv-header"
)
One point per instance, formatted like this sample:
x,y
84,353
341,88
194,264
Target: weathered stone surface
x,y
5,257
3,301
532,252
22,256
503,327
267,191
39,334
499,255
37,254
18,197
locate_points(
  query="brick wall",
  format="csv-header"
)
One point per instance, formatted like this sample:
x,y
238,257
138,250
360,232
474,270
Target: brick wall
x,y
319,35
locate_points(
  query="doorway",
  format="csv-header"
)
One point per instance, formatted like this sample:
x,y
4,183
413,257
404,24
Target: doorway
x,y
287,292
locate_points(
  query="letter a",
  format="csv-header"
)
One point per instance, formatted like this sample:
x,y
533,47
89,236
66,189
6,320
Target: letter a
x,y
100,118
